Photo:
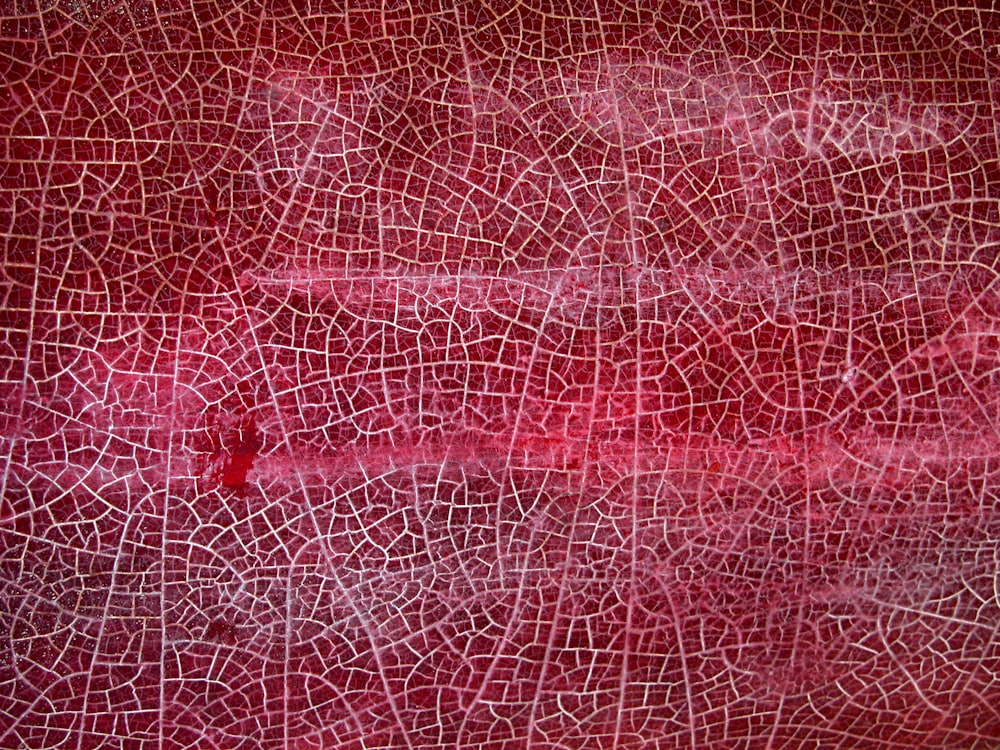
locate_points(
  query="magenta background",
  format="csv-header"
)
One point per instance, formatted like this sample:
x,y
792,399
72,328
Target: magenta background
x,y
499,376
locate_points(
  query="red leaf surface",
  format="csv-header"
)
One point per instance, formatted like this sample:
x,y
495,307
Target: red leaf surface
x,y
499,376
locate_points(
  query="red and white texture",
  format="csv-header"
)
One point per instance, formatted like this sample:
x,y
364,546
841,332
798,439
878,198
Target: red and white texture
x,y
499,376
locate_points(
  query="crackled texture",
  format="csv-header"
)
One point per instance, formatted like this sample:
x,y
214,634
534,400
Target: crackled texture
x,y
499,376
